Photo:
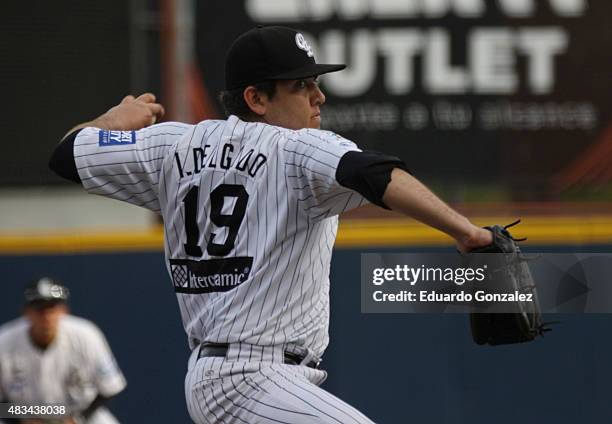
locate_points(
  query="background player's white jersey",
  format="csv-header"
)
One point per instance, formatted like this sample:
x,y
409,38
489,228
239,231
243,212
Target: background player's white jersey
x,y
250,217
72,371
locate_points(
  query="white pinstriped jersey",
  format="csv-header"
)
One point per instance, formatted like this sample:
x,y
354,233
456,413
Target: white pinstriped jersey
x,y
72,371
250,217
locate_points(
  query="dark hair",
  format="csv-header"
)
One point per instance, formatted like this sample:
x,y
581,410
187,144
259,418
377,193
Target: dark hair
x,y
233,100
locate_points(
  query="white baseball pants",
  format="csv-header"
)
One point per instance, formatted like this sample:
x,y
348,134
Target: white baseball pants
x,y
261,389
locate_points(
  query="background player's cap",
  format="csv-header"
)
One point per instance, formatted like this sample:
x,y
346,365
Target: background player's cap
x,y
271,53
46,290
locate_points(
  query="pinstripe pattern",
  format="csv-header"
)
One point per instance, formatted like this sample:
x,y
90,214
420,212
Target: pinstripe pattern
x,y
288,229
287,220
129,173
224,390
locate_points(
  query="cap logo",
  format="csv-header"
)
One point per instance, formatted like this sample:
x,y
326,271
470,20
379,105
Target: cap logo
x,y
303,44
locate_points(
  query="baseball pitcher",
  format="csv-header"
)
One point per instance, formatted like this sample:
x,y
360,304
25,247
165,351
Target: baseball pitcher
x,y
250,207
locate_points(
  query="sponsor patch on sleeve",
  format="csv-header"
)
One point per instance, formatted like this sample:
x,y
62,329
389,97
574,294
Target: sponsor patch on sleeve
x,y
116,138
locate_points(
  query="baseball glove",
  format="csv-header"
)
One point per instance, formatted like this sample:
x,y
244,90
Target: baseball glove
x,y
521,321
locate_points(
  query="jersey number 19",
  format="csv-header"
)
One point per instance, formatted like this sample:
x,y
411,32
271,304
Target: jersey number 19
x,y
231,221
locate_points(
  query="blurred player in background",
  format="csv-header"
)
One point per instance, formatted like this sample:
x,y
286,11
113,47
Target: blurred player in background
x,y
48,357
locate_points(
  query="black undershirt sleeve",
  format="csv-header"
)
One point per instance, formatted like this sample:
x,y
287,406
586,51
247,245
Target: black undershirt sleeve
x,y
98,402
62,160
368,173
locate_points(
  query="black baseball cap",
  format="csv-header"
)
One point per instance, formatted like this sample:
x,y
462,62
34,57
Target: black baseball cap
x,y
45,290
271,53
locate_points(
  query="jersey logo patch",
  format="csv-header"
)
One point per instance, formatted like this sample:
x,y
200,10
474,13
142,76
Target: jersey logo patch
x,y
208,276
116,138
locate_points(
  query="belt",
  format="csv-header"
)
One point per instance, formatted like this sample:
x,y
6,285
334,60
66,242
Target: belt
x,y
220,350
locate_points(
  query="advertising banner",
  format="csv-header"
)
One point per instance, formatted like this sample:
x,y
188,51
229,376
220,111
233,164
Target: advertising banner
x,y
506,98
